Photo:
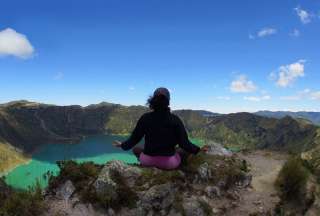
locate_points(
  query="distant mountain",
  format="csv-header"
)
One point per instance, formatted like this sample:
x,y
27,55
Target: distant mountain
x,y
314,117
206,113
249,131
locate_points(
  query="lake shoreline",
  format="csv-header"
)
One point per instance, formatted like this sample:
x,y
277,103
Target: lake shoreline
x,y
11,168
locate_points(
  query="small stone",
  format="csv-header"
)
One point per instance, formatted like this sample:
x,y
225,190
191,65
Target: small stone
x,y
204,172
157,197
233,195
66,190
261,209
192,207
215,211
217,149
212,191
111,212
234,204
257,202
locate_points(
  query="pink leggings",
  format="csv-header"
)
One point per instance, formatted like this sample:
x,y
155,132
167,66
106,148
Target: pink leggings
x,y
161,162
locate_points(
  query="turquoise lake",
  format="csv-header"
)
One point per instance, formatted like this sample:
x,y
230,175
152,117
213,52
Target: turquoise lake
x,y
98,149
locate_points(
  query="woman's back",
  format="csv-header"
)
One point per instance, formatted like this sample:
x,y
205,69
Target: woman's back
x,y
162,131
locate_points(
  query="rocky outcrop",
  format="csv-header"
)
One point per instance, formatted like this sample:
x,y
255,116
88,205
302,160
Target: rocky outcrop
x,y
203,185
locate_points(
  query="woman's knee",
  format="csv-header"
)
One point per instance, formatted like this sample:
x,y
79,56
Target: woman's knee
x,y
137,151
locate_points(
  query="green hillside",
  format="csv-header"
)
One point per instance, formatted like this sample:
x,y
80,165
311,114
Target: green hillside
x,y
26,125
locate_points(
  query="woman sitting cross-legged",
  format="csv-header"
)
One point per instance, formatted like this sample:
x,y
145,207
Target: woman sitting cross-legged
x,y
162,131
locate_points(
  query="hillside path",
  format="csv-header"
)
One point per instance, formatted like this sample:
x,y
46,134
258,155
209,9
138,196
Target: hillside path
x,y
261,197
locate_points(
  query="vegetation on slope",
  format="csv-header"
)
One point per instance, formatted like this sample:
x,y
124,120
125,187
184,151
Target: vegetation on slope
x,y
10,157
123,119
26,203
313,117
248,131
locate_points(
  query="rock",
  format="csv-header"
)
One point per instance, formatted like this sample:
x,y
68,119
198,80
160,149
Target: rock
x,y
111,212
217,149
65,191
233,195
157,197
131,174
192,207
257,202
216,211
105,183
234,204
245,180
212,191
204,172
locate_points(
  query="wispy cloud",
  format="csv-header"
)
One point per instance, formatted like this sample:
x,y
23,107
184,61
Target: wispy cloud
x,y
304,94
223,98
15,44
242,85
315,95
132,88
266,32
304,16
257,98
288,74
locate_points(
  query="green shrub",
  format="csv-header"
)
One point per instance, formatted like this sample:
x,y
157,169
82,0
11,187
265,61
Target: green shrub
x,y
27,203
79,173
292,180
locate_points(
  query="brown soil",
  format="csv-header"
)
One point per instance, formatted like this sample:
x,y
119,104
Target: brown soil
x,y
261,197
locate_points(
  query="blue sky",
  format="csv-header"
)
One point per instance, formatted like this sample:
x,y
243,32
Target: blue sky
x,y
224,56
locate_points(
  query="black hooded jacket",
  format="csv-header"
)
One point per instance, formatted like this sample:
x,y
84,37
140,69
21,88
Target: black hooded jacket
x,y
162,131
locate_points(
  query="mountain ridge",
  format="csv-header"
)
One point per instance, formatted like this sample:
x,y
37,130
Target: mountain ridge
x,y
314,117
27,125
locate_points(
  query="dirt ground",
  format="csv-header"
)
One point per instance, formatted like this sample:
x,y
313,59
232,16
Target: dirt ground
x,y
261,197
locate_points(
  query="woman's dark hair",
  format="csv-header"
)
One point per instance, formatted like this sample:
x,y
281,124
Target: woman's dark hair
x,y
158,103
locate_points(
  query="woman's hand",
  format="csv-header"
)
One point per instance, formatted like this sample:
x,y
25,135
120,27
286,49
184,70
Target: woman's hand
x,y
117,143
204,148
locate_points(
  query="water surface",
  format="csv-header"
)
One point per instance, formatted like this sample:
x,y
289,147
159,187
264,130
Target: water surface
x,y
98,149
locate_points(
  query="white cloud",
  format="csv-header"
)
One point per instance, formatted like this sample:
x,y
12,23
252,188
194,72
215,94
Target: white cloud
x,y
266,32
305,17
295,33
257,99
223,98
304,94
242,85
132,88
288,74
58,76
315,95
298,96
15,44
